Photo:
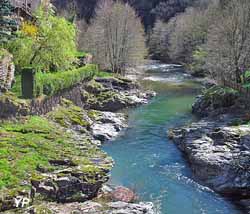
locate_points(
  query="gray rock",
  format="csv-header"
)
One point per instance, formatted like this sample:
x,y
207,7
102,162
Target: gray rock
x,y
108,125
90,207
218,154
113,94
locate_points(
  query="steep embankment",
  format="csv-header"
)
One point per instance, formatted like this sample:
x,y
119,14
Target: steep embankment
x,y
218,146
55,157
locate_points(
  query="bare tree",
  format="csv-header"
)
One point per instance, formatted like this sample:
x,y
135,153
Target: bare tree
x,y
228,43
159,39
116,36
190,32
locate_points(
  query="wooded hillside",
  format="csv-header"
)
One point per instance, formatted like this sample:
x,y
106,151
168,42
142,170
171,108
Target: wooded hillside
x,y
148,10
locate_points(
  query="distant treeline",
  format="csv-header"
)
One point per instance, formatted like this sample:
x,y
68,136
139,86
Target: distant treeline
x,y
148,10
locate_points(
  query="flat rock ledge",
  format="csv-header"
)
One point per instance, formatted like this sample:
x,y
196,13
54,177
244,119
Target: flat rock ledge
x,y
113,94
219,154
91,207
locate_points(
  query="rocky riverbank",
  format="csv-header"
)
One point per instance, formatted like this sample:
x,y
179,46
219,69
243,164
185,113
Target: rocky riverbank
x,y
217,146
54,161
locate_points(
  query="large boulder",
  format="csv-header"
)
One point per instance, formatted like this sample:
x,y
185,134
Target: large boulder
x,y
123,194
107,125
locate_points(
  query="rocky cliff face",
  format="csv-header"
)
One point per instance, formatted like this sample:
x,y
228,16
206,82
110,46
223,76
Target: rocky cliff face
x,y
218,145
218,154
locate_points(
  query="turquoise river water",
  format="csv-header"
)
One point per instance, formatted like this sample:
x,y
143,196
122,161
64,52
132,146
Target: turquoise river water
x,y
149,163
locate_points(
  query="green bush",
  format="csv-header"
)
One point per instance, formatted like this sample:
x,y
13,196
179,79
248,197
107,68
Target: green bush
x,y
47,45
80,54
51,83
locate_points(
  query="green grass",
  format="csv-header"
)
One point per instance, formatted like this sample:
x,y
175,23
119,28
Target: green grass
x,y
103,74
31,143
68,114
17,88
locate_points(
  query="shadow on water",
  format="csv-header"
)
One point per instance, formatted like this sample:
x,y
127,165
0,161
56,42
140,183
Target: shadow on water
x,y
149,163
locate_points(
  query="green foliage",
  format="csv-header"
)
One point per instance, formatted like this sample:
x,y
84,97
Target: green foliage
x,y
16,89
8,25
51,47
80,54
51,83
65,79
29,144
246,85
198,62
68,114
3,53
245,80
219,91
247,74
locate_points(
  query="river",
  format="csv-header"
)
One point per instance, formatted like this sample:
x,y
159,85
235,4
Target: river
x,y
149,163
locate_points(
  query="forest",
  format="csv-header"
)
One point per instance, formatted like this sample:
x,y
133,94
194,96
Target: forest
x,y
148,11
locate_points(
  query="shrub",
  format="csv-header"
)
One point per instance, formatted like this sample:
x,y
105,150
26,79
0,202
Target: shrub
x,y
51,83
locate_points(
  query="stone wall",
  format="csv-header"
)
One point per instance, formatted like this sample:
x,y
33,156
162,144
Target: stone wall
x,y
7,71
11,106
45,105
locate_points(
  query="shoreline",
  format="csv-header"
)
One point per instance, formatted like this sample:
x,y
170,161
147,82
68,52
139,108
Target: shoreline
x,y
216,146
91,123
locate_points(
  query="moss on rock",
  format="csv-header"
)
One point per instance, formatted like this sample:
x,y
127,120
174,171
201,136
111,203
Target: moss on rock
x,y
68,114
34,148
11,105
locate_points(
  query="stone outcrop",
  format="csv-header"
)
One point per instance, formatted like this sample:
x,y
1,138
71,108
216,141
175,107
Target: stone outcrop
x,y
97,126
218,146
65,165
90,207
103,204
123,194
219,155
11,106
113,94
107,125
7,70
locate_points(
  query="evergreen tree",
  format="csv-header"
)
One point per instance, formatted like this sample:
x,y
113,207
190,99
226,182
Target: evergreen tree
x,y
7,24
